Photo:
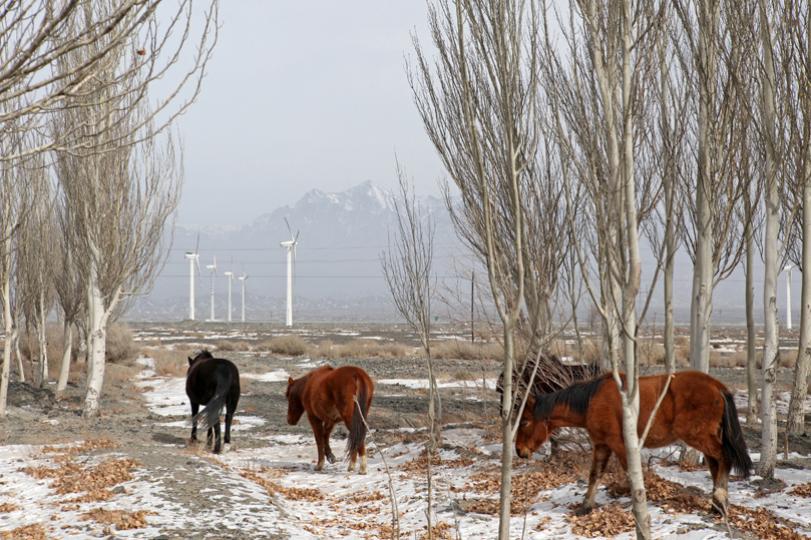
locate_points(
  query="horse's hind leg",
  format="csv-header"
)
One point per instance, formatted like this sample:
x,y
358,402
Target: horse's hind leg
x,y
362,452
217,437
599,459
195,408
230,409
720,480
209,437
328,425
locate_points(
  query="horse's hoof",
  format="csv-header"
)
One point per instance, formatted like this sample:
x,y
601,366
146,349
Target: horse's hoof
x,y
331,458
362,471
717,508
583,510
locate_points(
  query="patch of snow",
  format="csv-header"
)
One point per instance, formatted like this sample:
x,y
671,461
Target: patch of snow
x,y
278,375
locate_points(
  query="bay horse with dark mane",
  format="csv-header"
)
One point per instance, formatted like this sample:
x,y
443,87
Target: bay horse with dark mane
x,y
329,395
212,382
552,375
696,409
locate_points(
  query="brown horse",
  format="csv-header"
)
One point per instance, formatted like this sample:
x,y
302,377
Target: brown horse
x,y
328,395
696,409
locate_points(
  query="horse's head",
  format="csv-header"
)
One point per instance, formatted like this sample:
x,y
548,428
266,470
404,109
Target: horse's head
x,y
202,355
294,406
532,432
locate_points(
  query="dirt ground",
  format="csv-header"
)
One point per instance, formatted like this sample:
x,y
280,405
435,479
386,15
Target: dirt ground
x,y
36,418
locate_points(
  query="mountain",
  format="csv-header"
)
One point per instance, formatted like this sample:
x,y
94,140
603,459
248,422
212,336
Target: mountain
x,y
337,269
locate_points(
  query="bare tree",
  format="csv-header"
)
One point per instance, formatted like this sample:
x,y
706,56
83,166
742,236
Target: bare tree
x,y
796,69
40,34
478,102
35,246
709,56
407,265
70,290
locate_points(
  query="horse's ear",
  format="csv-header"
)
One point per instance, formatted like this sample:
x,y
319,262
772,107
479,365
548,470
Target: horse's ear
x,y
191,360
289,381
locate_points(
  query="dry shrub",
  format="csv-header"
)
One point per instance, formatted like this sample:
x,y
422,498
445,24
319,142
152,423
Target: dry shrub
x,y
169,363
119,374
723,360
120,519
121,348
35,531
787,359
229,345
287,345
682,352
440,531
5,508
464,350
681,341
360,348
651,353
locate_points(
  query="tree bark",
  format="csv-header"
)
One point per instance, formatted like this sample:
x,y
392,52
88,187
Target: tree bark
x,y
8,325
505,495
751,365
799,389
768,450
64,368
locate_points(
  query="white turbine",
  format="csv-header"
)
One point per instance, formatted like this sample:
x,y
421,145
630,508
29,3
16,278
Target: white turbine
x,y
788,296
194,261
290,245
213,269
230,275
242,279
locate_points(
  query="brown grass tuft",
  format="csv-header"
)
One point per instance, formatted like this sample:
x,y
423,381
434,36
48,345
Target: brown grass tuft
x,y
359,348
464,350
287,345
120,519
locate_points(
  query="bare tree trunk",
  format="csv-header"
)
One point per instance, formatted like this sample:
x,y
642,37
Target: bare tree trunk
x,y
10,332
796,410
16,344
768,450
98,314
505,494
751,365
64,368
670,262
42,340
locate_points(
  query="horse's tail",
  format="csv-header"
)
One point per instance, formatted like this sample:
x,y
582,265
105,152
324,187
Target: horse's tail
x,y
210,415
732,441
357,428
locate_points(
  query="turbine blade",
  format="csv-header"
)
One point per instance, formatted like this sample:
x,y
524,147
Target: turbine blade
x,y
288,227
197,245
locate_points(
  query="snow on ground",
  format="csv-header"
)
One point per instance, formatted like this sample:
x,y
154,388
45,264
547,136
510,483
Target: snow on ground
x,y
273,488
278,375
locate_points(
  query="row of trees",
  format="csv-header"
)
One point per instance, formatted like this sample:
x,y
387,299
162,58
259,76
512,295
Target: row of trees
x,y
89,171
575,134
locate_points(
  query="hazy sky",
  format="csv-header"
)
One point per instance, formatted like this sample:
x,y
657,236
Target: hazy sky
x,y
303,95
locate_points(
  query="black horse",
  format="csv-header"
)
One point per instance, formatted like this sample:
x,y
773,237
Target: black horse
x,y
212,382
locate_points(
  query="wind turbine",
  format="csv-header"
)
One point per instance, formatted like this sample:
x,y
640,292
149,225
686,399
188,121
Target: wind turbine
x,y
230,275
242,279
291,255
194,260
213,269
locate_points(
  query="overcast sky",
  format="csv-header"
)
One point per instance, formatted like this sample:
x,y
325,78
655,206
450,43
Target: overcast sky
x,y
303,95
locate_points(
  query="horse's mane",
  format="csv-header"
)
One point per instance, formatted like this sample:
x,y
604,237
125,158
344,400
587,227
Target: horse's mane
x,y
203,355
577,397
296,387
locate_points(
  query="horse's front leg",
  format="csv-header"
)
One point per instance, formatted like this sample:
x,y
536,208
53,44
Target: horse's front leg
x,y
599,459
318,431
195,408
328,425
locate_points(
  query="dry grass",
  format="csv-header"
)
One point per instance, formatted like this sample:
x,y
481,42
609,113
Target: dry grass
x,y
35,531
465,350
169,363
119,375
230,345
359,348
121,348
287,345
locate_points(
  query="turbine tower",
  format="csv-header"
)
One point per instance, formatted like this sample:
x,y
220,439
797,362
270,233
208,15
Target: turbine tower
x,y
290,245
194,260
213,269
230,275
242,279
